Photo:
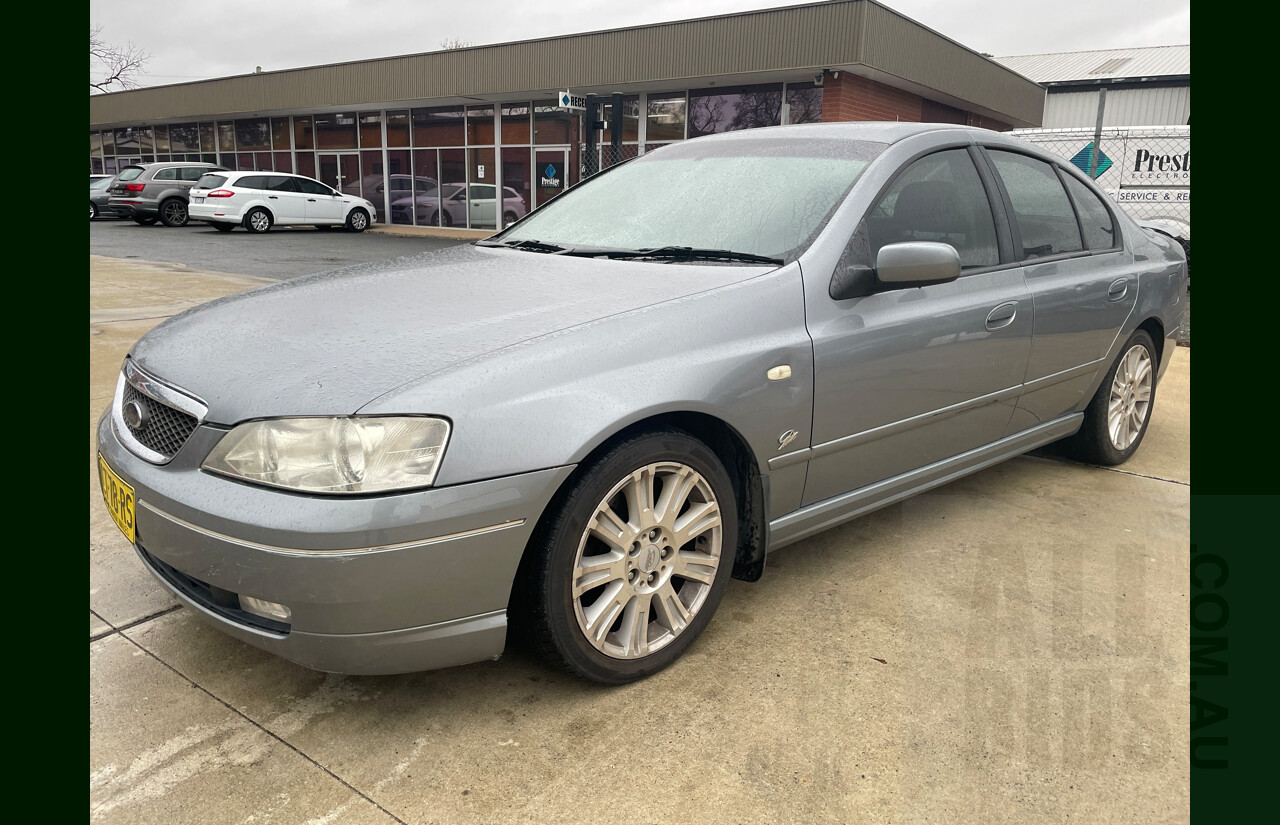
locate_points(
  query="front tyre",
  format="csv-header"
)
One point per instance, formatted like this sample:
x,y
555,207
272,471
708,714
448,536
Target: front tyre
x,y
357,220
630,569
1116,419
93,210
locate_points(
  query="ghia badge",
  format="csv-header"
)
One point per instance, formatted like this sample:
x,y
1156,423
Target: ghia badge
x,y
786,438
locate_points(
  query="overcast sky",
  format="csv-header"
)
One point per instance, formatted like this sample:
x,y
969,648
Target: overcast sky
x,y
191,41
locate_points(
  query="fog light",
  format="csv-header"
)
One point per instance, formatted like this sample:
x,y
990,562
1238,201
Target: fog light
x,y
265,609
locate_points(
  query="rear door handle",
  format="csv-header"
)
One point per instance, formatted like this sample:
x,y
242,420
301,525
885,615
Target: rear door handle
x,y
1002,316
311,200
1118,289
273,197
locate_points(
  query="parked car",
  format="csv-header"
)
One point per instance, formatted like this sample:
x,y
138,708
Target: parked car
x,y
98,195
260,200
147,192
457,198
586,424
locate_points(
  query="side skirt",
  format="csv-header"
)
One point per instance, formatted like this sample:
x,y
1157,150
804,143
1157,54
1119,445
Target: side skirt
x,y
828,513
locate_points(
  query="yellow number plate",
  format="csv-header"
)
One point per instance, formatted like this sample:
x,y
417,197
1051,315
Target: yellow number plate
x,y
119,499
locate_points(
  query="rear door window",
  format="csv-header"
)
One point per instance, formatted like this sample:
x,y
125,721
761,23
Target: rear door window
x,y
1041,207
281,183
252,182
166,174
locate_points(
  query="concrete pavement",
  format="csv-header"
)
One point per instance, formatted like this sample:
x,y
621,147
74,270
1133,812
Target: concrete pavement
x,y
1009,648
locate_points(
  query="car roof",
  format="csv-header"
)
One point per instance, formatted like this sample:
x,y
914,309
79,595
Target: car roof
x,y
871,130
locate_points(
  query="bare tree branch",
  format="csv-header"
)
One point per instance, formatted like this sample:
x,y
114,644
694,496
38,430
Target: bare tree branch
x,y
455,43
115,66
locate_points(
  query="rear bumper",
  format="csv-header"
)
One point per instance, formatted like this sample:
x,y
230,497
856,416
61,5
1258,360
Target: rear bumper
x,y
133,208
219,213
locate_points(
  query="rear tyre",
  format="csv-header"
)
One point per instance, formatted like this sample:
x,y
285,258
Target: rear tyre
x,y
445,219
173,212
508,218
628,571
257,221
144,221
1116,419
93,210
357,220
223,227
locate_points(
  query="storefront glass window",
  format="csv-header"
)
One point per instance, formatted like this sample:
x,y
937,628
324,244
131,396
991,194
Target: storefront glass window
x,y
337,131
804,103
206,138
479,125
280,133
226,137
371,132
666,117
731,109
552,125
253,134
515,124
398,128
302,136
440,126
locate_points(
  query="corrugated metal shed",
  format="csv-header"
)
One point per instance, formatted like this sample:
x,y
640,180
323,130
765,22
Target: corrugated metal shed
x,y
1105,64
853,35
1158,106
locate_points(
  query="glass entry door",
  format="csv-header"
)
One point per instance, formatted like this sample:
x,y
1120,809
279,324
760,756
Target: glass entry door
x,y
341,171
550,174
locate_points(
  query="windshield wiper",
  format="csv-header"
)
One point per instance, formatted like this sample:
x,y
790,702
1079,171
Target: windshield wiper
x,y
526,243
690,253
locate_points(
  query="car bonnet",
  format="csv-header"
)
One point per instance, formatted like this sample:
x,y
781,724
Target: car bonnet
x,y
327,344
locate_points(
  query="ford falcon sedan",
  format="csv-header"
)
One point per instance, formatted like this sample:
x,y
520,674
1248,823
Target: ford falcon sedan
x,y
583,426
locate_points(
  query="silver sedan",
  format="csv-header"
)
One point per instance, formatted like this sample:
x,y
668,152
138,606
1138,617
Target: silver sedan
x,y
583,426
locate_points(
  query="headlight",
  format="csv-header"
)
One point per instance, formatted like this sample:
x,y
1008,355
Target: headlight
x,y
334,455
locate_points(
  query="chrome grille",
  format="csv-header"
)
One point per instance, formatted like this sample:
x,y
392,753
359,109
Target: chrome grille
x,y
163,429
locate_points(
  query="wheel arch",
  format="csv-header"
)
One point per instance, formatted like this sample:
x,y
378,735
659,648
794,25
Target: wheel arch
x,y
244,221
1155,328
749,487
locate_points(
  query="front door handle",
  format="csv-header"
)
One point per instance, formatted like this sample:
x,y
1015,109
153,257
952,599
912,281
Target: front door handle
x,y
273,197
1118,289
1002,316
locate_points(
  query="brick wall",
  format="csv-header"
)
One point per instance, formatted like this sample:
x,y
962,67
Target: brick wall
x,y
850,97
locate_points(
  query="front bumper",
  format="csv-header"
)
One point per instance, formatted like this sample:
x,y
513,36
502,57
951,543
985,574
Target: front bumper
x,y
380,584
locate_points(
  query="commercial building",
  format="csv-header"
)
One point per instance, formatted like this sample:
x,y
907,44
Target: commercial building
x,y
1145,87
434,138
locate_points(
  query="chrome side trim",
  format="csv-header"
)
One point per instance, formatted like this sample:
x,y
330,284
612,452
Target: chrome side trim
x,y
1065,375
270,548
149,385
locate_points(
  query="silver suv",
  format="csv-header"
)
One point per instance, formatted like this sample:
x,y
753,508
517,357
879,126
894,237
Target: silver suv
x,y
147,192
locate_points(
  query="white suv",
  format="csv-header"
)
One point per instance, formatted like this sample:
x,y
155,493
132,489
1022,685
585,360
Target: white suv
x,y
260,200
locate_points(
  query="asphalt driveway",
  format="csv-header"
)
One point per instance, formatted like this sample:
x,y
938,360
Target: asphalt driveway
x,y
1008,648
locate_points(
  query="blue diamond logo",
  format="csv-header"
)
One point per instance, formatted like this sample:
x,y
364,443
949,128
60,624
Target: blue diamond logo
x,y
1084,157
550,171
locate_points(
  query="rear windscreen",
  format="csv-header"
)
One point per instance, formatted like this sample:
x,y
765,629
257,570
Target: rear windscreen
x,y
129,173
210,181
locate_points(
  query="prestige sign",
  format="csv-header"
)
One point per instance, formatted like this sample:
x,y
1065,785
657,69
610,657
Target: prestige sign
x,y
1162,162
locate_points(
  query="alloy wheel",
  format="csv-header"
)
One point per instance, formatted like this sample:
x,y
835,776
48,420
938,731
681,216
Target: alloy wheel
x,y
647,560
1130,399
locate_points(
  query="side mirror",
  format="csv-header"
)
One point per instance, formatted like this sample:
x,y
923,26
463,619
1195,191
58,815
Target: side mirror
x,y
917,263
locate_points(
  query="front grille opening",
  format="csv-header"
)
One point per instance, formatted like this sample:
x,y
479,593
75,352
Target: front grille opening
x,y
164,429
214,599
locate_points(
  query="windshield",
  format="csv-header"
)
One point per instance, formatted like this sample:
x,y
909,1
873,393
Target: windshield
x,y
761,196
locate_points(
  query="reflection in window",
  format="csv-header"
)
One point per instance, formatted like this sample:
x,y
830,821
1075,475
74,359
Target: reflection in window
x,y
371,132
515,124
804,104
438,126
480,125
552,125
254,134
727,110
146,140
1094,217
126,142
108,142
226,137
398,128
302,135
95,145
666,118
206,138
184,137
162,140
337,131
280,133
